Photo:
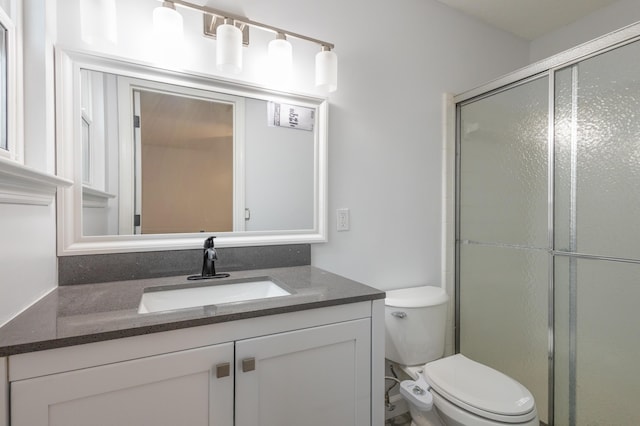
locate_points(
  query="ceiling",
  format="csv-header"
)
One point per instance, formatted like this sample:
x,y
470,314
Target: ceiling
x,y
528,19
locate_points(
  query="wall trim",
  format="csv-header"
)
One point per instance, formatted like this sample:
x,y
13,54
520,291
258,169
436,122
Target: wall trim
x,y
20,184
95,198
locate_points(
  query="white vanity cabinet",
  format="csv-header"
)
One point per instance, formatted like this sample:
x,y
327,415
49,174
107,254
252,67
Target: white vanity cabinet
x,y
317,376
170,389
303,368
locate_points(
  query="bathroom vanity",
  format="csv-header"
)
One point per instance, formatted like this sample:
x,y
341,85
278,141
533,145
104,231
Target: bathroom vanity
x,y
84,355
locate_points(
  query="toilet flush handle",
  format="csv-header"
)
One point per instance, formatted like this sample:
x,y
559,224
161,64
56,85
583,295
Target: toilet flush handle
x,y
399,314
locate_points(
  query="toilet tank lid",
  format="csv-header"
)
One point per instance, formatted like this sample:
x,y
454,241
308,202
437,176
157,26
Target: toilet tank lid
x,y
416,297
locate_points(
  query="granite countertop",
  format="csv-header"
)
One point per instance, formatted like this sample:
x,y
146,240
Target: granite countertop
x,y
78,314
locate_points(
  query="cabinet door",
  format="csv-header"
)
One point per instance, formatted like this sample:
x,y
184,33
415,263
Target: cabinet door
x,y
316,376
180,388
4,393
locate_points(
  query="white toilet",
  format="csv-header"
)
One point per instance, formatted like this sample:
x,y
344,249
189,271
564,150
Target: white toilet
x,y
452,391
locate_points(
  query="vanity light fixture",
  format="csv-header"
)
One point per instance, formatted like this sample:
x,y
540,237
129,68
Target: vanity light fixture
x,y
229,50
167,24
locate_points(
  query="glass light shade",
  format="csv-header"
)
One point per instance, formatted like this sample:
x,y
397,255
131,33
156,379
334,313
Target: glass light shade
x,y
280,54
327,70
229,48
168,26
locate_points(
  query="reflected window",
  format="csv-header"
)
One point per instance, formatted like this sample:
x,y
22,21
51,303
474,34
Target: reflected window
x,y
86,151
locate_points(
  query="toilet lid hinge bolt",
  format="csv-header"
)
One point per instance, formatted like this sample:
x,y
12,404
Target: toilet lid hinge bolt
x,y
418,390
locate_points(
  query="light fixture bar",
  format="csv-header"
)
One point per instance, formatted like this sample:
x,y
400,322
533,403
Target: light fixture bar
x,y
242,19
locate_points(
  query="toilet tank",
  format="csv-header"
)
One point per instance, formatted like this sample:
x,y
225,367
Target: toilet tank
x,y
415,323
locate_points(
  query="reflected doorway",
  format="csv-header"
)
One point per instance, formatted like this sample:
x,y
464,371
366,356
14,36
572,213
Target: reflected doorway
x,y
184,149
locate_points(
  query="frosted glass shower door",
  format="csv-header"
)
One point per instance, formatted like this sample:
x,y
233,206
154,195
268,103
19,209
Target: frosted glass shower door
x,y
597,342
597,240
503,237
597,142
548,235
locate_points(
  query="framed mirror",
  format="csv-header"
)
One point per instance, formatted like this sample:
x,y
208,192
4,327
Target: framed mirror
x,y
161,159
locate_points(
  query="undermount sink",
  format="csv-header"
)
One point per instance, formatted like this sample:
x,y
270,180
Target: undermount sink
x,y
163,299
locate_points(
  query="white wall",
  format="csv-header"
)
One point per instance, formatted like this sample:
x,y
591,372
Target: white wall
x,y
28,233
598,23
27,256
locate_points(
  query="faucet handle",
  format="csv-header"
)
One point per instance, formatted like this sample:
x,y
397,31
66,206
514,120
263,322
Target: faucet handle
x,y
208,243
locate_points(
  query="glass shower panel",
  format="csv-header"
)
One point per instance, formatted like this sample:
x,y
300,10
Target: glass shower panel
x,y
598,154
597,342
503,170
504,313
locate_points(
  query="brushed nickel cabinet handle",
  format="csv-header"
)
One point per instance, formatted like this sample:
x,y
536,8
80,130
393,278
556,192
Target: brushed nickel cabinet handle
x,y
248,364
223,370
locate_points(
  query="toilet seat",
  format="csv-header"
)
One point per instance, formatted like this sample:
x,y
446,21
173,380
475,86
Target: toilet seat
x,y
480,390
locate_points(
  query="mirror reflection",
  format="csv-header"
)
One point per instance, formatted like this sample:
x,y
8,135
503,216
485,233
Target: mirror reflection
x,y
161,158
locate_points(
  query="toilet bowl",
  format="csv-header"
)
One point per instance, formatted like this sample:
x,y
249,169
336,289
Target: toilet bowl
x,y
454,390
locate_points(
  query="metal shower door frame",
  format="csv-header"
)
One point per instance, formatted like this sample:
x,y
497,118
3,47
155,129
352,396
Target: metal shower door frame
x,y
547,67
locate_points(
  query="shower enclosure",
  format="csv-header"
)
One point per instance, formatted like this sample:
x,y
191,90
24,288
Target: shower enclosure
x,y
547,238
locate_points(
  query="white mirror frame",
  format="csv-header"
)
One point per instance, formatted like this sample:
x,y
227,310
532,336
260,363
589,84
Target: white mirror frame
x,y
69,160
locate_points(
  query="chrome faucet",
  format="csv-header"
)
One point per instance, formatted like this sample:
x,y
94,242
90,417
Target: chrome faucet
x,y
209,257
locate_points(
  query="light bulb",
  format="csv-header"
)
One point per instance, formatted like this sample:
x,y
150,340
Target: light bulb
x,y
168,26
280,54
327,70
229,47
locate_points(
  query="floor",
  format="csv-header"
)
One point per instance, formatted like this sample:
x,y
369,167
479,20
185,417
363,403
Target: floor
x,y
401,420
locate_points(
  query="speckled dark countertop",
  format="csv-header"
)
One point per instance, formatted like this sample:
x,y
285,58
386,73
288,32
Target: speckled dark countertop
x,y
77,314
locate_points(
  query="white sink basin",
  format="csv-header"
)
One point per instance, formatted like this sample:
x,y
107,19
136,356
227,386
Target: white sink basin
x,y
191,297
